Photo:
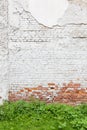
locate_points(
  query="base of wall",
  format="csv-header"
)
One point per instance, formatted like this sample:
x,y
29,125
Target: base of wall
x,y
70,93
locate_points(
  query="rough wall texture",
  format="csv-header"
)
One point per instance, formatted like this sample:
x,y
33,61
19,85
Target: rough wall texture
x,y
46,63
3,50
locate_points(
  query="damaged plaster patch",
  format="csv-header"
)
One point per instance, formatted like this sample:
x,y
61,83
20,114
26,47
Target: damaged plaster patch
x,y
47,12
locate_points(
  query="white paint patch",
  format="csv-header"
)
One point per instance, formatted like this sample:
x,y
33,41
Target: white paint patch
x,y
47,12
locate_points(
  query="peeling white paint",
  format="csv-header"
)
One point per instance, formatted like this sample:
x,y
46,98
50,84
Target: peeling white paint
x,y
47,12
39,55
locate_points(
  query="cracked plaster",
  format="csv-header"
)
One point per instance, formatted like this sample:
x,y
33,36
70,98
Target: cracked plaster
x,y
32,54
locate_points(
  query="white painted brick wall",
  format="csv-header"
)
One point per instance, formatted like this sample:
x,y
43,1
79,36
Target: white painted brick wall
x,y
39,55
3,50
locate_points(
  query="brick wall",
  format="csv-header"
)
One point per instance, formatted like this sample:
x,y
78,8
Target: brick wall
x,y
47,63
70,93
3,50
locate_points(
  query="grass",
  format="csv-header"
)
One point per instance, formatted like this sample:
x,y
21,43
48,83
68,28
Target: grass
x,y
38,115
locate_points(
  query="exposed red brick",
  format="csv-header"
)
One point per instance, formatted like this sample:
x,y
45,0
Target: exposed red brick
x,y
45,89
28,89
51,84
70,93
21,90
